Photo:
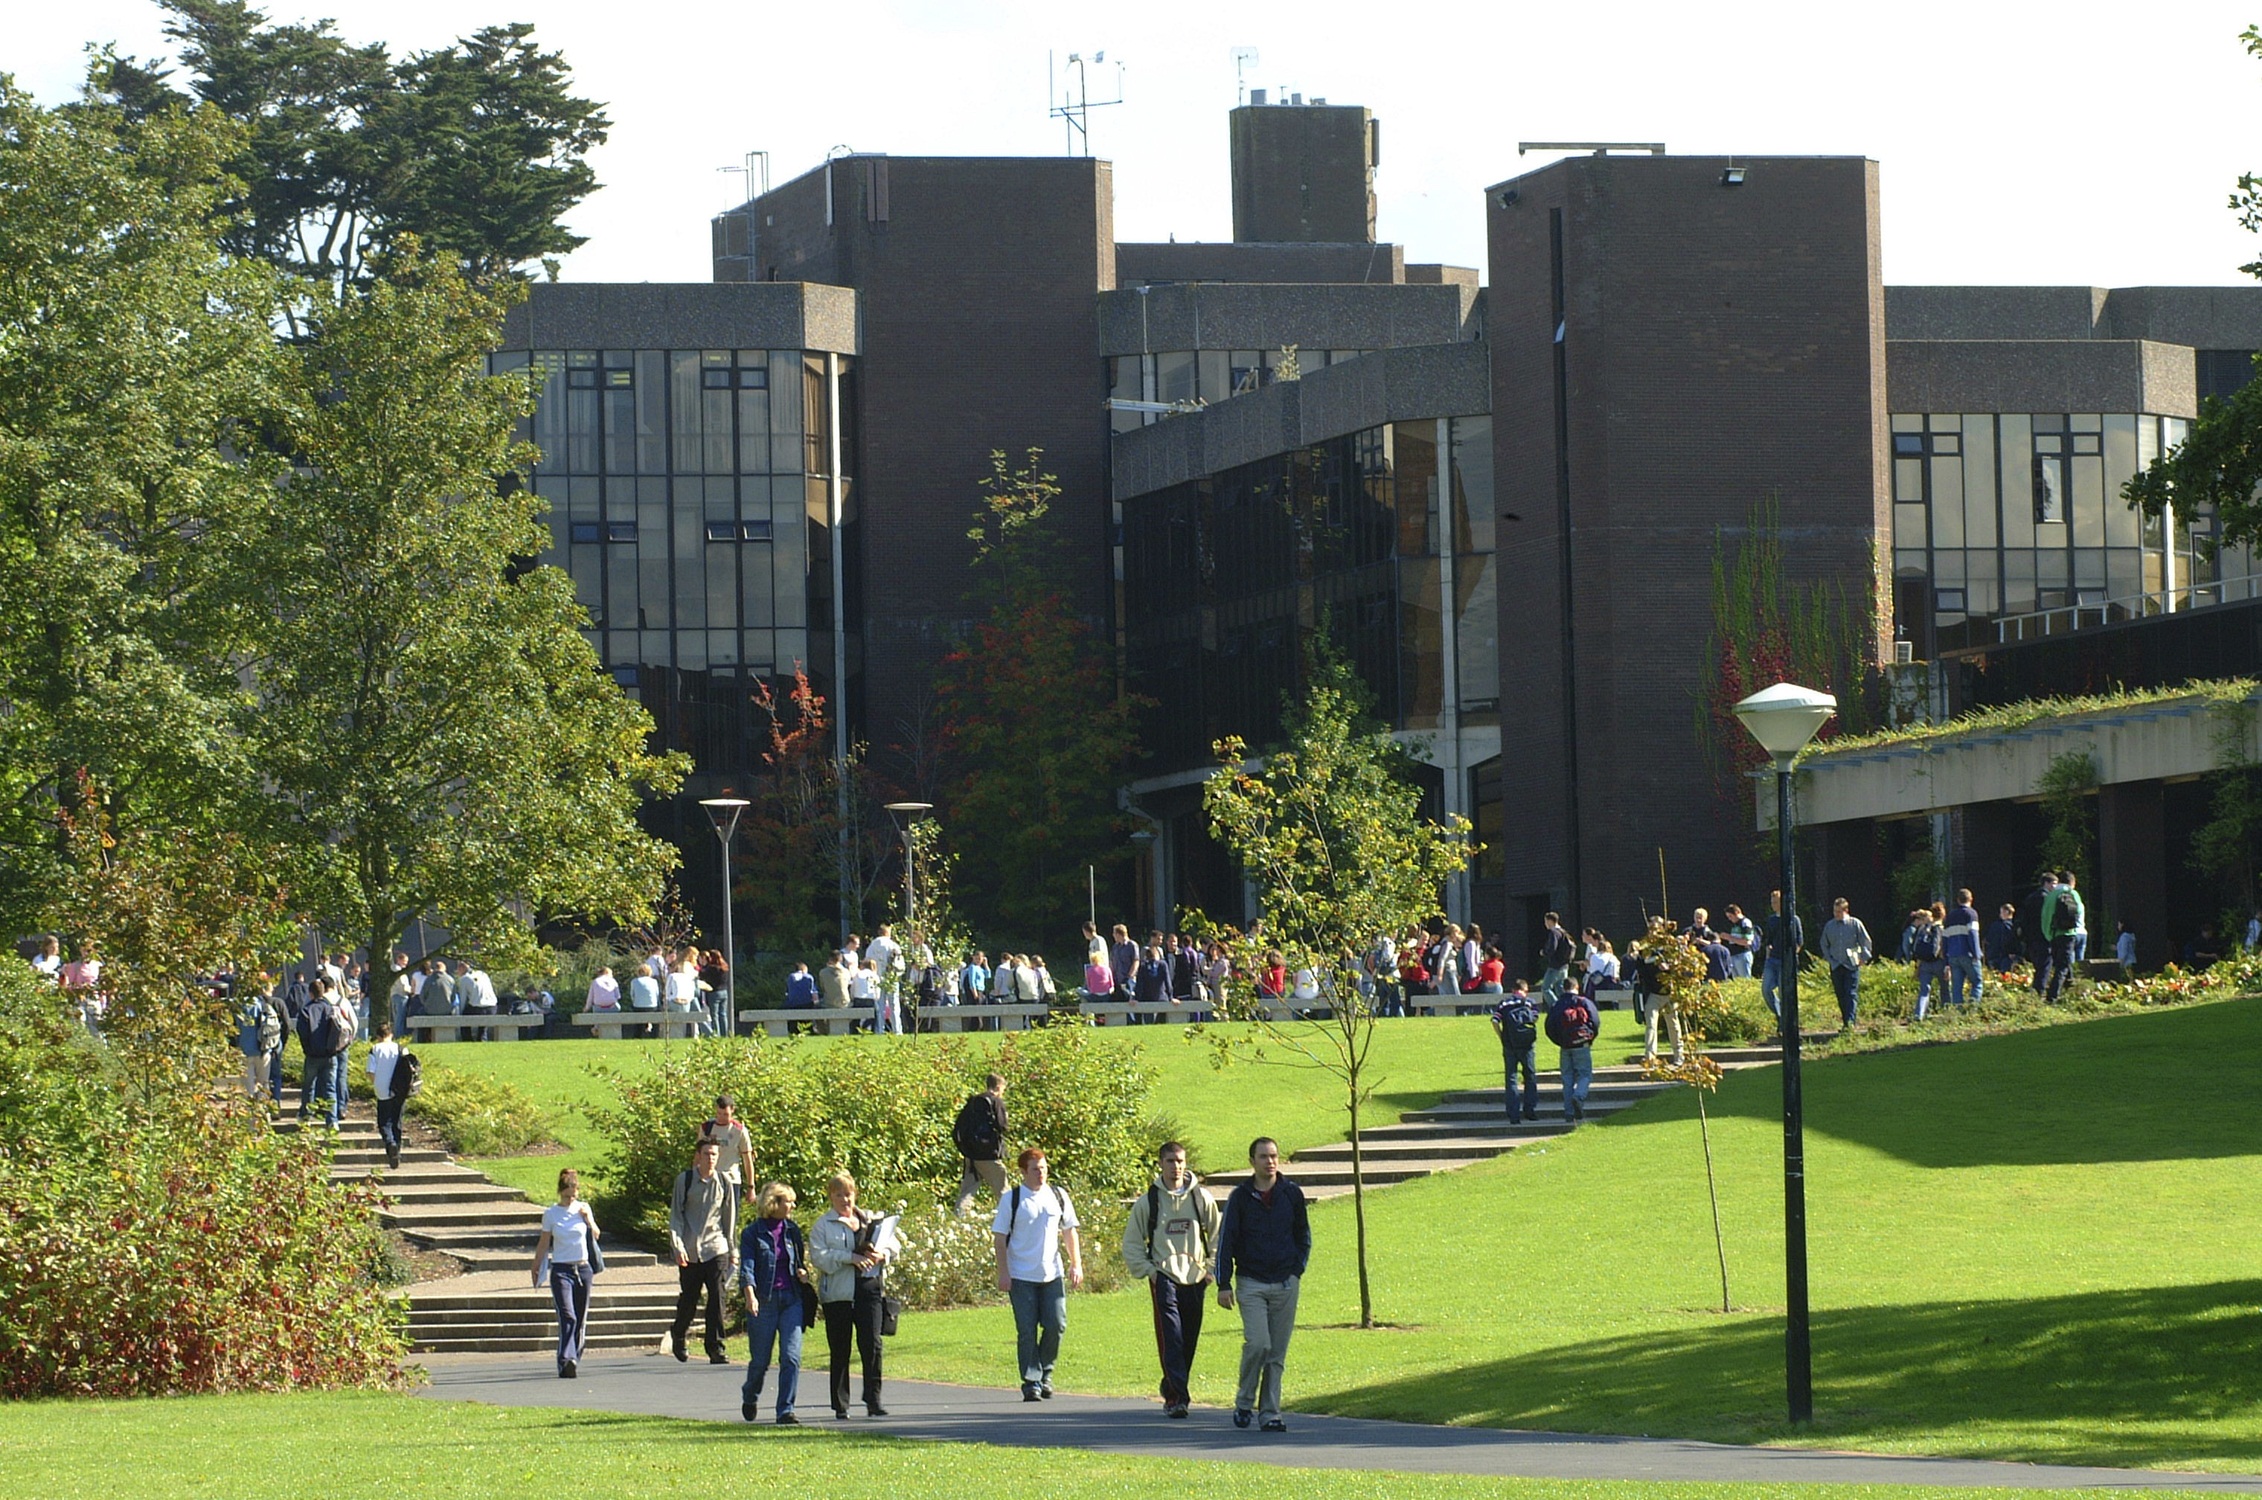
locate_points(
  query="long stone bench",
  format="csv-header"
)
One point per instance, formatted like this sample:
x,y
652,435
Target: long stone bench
x,y
831,1021
609,1023
450,1028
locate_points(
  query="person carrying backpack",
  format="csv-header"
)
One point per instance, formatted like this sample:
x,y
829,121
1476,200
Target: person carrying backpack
x,y
1516,1018
2067,932
1167,1243
1555,954
979,1134
1572,1023
388,1080
324,1042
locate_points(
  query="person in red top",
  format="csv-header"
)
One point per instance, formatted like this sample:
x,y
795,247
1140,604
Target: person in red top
x,y
1492,972
1273,982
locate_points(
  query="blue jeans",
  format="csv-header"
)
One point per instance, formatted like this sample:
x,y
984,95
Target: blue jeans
x,y
1040,1313
1551,983
1929,973
1964,984
1521,1057
2081,947
1847,983
325,1078
569,1291
1578,1075
2061,965
777,1321
1771,986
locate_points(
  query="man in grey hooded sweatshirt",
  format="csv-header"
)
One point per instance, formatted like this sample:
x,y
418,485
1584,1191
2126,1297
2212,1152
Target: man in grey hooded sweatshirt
x,y
1168,1242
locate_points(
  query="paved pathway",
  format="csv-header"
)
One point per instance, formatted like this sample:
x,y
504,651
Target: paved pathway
x,y
968,1414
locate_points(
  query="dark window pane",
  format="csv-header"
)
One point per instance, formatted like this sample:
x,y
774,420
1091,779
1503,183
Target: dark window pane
x,y
1908,443
754,378
755,531
585,531
714,380
722,531
620,531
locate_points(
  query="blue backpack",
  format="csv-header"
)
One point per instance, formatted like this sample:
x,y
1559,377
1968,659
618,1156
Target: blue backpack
x,y
1519,1021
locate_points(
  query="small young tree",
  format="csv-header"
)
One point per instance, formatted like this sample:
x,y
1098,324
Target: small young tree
x,y
1338,851
1678,974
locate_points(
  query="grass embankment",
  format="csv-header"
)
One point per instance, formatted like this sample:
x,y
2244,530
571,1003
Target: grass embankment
x,y
262,1448
1414,1063
2034,1246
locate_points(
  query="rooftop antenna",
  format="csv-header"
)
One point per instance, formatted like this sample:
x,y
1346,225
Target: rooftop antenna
x,y
1074,110
1244,58
748,176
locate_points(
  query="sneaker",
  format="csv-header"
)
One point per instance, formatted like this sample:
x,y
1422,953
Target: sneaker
x,y
746,1411
717,1357
1029,1391
1242,1416
874,1409
1044,1390
840,1414
785,1419
1175,1409
570,1370
1273,1424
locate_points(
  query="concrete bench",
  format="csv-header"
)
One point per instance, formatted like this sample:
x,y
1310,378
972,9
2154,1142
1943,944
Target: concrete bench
x,y
1131,1012
1016,1017
451,1028
608,1023
832,1020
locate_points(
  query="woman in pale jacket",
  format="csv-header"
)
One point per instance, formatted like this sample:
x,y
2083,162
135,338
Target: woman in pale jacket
x,y
851,1282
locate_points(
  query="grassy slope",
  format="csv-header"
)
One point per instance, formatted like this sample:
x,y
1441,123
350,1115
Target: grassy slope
x,y
2032,1246
264,1448
1413,1064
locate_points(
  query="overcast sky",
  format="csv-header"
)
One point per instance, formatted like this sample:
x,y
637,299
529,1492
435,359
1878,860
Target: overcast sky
x,y
2042,143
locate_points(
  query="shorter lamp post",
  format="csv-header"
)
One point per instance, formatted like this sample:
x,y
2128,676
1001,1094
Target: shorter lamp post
x,y
1784,719
724,813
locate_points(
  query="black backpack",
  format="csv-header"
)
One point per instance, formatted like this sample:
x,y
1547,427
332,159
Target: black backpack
x,y
408,1075
1571,1023
1519,1021
975,1132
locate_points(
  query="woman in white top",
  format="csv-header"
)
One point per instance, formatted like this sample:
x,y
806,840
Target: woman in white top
x,y
569,1239
683,989
604,991
1602,966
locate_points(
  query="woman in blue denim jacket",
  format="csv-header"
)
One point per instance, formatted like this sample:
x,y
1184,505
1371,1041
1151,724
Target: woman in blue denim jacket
x,y
772,1264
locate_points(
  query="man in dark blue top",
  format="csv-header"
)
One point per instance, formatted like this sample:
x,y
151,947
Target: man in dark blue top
x,y
1779,944
1267,1235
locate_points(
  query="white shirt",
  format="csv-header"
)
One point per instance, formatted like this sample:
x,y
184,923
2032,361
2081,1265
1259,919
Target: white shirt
x,y
568,1229
1032,1246
862,985
604,993
476,990
884,952
383,1058
683,987
51,964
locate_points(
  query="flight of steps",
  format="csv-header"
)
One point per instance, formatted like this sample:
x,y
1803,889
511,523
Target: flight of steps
x,y
1472,1126
438,1204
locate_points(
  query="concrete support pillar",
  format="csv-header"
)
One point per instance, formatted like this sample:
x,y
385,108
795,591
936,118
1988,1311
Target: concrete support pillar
x,y
1983,858
2132,871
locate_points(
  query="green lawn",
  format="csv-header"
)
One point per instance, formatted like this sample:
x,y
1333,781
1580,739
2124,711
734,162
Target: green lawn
x,y
1413,1064
266,1447
2037,1246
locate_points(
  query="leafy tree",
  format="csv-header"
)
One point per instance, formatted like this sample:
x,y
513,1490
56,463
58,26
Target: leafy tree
x,y
820,842
1338,851
1034,729
134,354
479,149
435,734
2068,787
2219,462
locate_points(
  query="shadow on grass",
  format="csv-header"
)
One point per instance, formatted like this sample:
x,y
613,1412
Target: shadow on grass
x,y
2170,1086
2152,1378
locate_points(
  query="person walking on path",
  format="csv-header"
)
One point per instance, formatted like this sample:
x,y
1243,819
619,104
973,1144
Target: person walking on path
x,y
1265,1235
884,957
734,1149
2063,924
384,1073
979,1134
1572,1022
1555,954
2003,941
1960,942
1035,1222
703,1230
1780,941
771,1261
1846,947
2034,925
1516,1019
852,1269
1168,1242
325,1038
569,1244
1927,941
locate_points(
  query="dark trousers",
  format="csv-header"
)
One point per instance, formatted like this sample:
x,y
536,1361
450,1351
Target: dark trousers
x,y
1517,1057
1847,984
389,1121
700,1275
1178,1329
863,1317
2061,966
569,1289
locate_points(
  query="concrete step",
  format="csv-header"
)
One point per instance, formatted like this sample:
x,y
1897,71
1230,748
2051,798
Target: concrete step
x,y
541,1344
1479,1113
1448,1148
408,1173
467,1321
411,1156
514,1243
1488,1126
512,1213
518,1257
1378,1174
528,1299
410,1199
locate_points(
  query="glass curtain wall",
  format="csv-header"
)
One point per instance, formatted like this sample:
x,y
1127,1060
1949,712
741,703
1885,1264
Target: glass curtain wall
x,y
1224,577
2005,514
687,492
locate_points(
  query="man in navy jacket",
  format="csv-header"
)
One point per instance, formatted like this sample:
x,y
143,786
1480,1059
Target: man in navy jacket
x,y
1266,1234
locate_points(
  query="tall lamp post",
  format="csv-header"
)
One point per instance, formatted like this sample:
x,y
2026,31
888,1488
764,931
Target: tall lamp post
x,y
1784,719
724,813
907,813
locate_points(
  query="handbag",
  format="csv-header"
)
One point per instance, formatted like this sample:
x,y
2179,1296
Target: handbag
x,y
596,1256
891,1315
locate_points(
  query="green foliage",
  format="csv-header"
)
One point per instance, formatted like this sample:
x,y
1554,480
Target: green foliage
x,y
168,1243
478,148
1034,731
880,1110
478,1115
2029,713
131,351
433,731
1766,629
1918,878
2068,787
2223,847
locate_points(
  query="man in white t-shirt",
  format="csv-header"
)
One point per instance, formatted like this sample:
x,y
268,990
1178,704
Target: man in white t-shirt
x,y
384,1062
1034,1223
885,955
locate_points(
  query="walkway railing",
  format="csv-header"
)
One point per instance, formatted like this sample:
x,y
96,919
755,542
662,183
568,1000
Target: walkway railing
x,y
2066,618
